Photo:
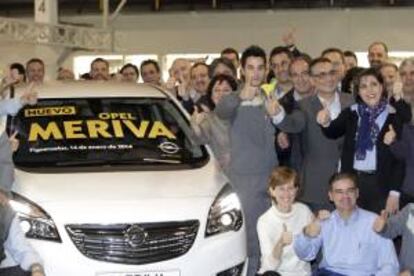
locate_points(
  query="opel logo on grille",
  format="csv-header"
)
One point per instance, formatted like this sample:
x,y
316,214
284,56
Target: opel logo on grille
x,y
169,147
135,235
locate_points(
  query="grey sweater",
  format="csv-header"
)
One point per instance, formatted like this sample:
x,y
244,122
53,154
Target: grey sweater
x,y
403,224
251,135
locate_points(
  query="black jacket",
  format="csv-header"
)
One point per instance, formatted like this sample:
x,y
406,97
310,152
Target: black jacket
x,y
390,171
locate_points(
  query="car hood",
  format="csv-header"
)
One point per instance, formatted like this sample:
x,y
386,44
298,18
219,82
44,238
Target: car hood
x,y
119,186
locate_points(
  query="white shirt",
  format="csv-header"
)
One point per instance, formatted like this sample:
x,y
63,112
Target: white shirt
x,y
269,230
334,107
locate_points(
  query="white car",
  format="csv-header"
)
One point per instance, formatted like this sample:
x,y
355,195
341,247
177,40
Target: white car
x,y
110,182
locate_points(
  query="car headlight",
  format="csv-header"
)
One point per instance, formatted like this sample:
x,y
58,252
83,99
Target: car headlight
x,y
225,213
35,222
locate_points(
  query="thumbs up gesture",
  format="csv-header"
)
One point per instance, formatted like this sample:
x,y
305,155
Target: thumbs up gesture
x,y
14,142
198,116
323,117
183,91
390,135
397,90
29,96
313,229
287,237
380,221
272,105
170,84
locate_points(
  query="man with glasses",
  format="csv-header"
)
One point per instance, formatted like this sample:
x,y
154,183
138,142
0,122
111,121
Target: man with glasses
x,y
349,244
336,56
320,155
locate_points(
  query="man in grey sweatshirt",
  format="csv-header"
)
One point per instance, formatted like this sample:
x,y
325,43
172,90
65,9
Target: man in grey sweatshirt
x,y
252,153
400,224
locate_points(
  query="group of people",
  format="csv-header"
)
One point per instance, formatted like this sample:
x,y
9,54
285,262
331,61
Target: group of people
x,y
342,130
319,150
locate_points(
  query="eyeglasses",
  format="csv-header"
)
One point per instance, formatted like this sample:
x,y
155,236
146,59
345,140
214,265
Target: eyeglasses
x,y
324,75
350,191
304,74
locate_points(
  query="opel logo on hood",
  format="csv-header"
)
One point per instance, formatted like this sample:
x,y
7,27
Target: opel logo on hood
x,y
135,235
169,147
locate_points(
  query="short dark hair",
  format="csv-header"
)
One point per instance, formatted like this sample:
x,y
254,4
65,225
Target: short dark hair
x,y
230,50
317,61
197,64
304,58
99,59
341,176
130,65
334,50
368,72
218,79
226,62
350,54
20,69
280,50
150,61
34,60
253,51
378,43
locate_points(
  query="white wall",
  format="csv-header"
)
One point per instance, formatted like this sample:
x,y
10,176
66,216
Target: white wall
x,y
195,32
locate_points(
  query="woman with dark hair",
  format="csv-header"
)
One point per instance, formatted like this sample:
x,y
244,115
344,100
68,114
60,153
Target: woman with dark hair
x,y
369,128
209,128
222,66
130,73
16,76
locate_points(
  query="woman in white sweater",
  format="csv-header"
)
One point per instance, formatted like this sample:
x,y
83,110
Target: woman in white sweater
x,y
277,227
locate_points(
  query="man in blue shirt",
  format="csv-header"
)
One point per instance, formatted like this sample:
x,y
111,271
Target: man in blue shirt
x,y
349,244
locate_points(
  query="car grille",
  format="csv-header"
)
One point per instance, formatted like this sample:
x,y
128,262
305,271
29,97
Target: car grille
x,y
140,243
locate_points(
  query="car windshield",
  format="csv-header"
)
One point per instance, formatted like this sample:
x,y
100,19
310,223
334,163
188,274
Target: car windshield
x,y
110,133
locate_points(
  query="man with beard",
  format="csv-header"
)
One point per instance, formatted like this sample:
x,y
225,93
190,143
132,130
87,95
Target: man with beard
x,y
377,54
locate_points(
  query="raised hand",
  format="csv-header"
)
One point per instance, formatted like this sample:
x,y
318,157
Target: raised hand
x,y
170,84
29,96
313,229
183,88
14,142
289,38
323,214
272,105
287,237
397,90
323,117
393,204
380,222
390,136
249,92
198,116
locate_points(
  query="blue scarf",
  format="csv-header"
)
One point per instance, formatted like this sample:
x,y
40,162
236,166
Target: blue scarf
x,y
368,129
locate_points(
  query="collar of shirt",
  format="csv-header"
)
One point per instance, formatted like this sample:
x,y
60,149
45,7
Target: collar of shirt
x,y
256,101
297,96
340,221
334,107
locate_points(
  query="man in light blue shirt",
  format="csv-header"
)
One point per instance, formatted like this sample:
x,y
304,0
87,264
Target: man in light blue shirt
x,y
349,245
